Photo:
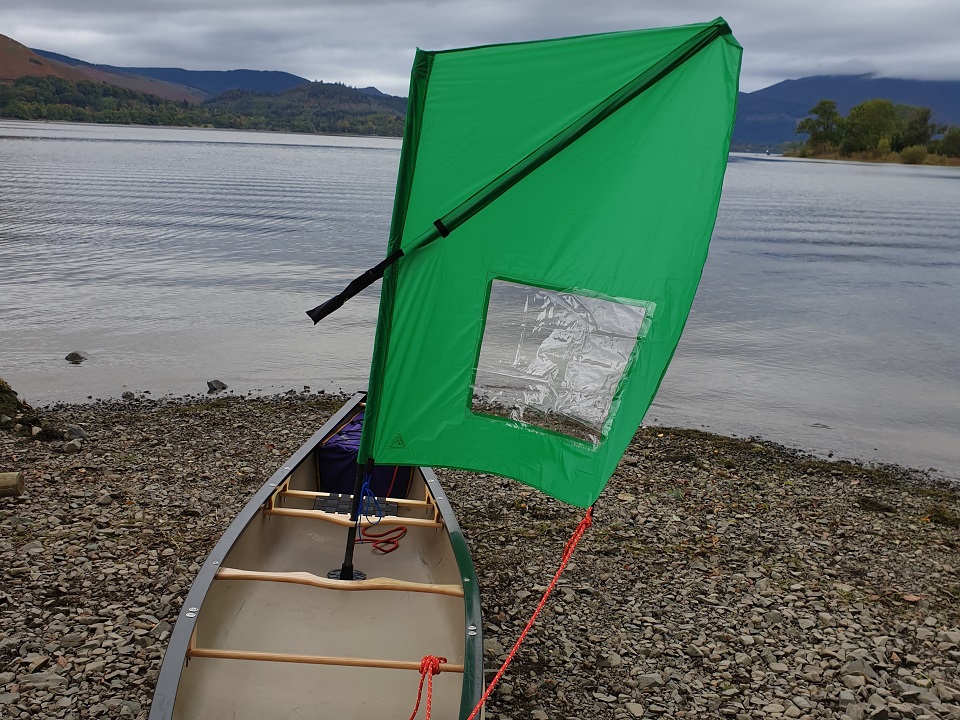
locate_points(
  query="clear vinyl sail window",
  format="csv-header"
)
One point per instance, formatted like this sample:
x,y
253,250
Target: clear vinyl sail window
x,y
555,359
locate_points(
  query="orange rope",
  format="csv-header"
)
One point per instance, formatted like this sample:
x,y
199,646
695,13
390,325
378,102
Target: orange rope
x,y
567,553
429,666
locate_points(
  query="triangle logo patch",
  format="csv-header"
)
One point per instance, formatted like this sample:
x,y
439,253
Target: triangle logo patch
x,y
398,443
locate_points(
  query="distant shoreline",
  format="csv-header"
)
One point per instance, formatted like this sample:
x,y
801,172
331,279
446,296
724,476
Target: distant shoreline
x,y
140,403
198,127
929,161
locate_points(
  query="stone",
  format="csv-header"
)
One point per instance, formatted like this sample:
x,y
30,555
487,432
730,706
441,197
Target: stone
x,y
611,661
858,666
854,712
73,446
72,640
75,357
635,709
492,647
74,432
846,698
947,692
215,386
43,681
649,680
127,395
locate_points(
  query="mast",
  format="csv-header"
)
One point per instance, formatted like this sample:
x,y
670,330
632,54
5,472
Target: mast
x,y
346,570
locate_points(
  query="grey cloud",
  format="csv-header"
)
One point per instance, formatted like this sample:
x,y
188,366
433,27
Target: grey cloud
x,y
371,42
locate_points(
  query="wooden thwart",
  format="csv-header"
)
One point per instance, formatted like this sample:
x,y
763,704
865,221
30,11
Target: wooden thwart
x,y
305,578
396,501
344,520
195,652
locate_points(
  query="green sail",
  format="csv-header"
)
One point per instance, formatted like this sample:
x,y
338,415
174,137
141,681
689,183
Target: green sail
x,y
554,207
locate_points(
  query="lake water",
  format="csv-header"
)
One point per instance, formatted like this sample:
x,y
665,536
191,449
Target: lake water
x,y
828,317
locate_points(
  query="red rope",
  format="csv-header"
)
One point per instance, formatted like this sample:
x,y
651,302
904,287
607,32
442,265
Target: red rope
x,y
429,666
384,542
567,553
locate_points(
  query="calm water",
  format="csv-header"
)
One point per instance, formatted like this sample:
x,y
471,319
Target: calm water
x,y
828,316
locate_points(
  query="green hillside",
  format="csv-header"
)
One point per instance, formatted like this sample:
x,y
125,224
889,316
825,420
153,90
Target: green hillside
x,y
315,108
311,108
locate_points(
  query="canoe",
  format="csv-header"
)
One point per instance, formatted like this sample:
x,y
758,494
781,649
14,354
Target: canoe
x,y
264,633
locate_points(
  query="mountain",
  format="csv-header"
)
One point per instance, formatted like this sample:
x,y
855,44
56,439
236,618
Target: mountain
x,y
203,82
769,117
261,99
18,61
42,85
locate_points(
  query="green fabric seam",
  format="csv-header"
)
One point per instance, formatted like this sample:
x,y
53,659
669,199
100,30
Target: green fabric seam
x,y
419,82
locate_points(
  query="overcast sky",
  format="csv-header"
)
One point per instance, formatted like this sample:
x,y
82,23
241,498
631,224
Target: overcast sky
x,y
371,42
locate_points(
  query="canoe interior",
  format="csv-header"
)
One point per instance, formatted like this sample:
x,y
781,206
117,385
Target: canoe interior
x,y
294,619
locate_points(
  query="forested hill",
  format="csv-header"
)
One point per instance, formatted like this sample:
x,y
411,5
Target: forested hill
x,y
315,107
18,61
43,85
769,117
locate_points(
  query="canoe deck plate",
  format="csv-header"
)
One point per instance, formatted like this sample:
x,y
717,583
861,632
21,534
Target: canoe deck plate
x,y
341,505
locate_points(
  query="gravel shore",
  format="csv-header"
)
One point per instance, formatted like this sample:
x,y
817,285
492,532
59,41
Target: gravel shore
x,y
722,578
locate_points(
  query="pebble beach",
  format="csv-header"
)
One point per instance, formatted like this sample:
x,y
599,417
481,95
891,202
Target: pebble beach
x,y
722,577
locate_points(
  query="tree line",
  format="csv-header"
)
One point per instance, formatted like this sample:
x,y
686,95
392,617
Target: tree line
x,y
318,108
877,129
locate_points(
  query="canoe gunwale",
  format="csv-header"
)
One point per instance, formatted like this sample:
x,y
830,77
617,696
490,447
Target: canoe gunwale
x,y
182,637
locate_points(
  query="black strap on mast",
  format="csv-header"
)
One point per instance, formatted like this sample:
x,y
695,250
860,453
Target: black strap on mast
x,y
363,281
